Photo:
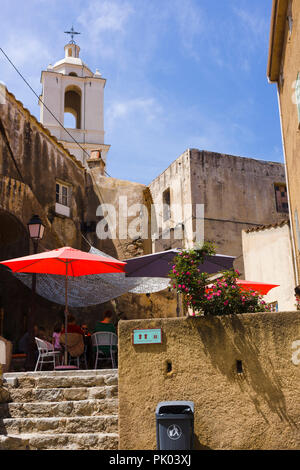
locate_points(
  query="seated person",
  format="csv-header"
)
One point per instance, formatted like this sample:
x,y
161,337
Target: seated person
x,y
72,327
106,325
24,341
85,330
75,337
87,344
55,337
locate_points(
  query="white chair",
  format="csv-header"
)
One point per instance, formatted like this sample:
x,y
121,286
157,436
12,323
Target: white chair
x,y
47,355
105,338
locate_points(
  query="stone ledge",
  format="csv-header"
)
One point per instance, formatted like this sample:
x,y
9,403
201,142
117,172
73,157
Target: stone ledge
x,y
58,409
13,443
26,395
66,441
60,425
68,373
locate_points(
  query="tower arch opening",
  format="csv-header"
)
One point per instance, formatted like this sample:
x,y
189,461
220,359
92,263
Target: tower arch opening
x,y
72,105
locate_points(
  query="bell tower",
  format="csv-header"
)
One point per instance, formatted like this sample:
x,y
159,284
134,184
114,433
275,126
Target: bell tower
x,y
71,90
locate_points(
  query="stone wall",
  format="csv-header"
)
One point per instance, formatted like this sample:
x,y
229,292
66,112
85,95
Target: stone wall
x,y
40,162
255,409
177,179
237,193
125,198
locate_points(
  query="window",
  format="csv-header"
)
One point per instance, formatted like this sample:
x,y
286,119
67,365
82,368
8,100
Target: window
x,y
73,105
281,198
69,121
290,18
63,193
166,205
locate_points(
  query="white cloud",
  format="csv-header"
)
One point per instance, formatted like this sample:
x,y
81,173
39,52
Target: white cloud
x,y
253,22
138,109
105,23
28,51
105,16
191,23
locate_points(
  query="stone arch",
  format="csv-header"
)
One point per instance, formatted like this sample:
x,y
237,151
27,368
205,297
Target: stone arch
x,y
72,103
14,297
14,239
17,205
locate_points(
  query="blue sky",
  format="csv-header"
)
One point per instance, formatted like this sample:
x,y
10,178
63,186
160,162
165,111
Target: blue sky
x,y
180,73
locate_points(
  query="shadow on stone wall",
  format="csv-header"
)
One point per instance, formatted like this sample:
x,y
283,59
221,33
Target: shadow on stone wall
x,y
227,340
198,445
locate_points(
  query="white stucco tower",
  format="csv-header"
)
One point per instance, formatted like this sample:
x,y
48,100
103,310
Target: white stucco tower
x,y
69,86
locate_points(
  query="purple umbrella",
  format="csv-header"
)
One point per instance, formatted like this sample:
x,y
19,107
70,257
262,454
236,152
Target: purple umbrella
x,y
159,264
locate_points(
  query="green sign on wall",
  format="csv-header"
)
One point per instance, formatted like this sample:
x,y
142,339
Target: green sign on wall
x,y
148,336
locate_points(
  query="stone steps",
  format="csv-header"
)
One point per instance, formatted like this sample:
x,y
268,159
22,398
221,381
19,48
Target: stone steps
x,y
13,443
59,381
77,424
60,410
68,441
62,394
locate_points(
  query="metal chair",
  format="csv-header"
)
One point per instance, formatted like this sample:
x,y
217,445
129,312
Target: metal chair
x,y
105,338
47,355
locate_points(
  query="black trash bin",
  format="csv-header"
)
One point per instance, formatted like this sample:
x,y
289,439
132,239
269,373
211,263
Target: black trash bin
x,y
175,425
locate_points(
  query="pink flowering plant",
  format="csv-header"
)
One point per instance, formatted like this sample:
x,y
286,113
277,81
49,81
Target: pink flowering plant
x,y
221,297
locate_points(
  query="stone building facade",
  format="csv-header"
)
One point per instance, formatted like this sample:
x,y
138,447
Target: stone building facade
x,y
284,70
236,193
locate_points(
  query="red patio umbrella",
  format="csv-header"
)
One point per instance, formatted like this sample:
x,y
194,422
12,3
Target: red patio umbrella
x,y
67,262
260,287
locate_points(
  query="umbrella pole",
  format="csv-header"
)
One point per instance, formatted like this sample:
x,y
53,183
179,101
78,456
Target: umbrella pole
x,y
66,316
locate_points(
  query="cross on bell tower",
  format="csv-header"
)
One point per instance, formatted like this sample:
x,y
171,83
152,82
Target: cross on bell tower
x,y
72,33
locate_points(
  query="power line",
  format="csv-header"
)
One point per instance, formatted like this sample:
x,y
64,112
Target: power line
x,y
38,97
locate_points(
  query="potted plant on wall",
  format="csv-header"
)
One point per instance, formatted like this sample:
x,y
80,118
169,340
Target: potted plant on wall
x,y
202,296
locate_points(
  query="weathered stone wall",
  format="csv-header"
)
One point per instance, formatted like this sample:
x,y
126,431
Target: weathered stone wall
x,y
125,197
257,409
237,193
40,161
177,178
